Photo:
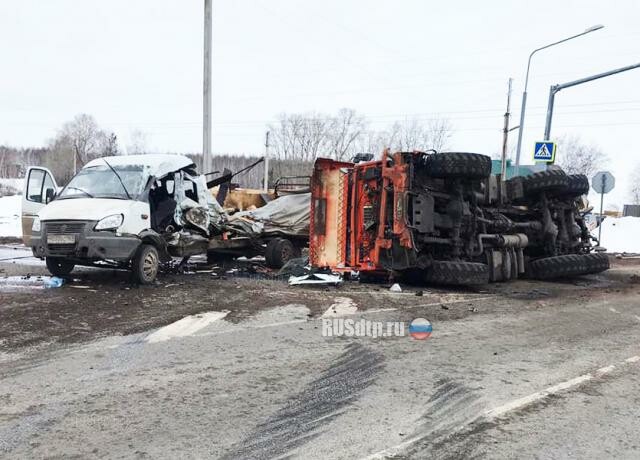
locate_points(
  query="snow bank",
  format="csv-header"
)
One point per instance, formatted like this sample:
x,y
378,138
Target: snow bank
x,y
11,186
620,234
10,222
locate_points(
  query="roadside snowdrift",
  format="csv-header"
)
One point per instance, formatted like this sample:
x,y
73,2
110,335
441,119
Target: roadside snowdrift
x,y
620,234
10,207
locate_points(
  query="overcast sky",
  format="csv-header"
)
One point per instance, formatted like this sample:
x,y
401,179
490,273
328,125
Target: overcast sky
x,y
138,65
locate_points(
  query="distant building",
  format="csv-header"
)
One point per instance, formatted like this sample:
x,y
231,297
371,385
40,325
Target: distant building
x,y
632,210
525,170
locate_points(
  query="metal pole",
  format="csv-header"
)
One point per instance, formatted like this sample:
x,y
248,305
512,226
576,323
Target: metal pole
x,y
526,83
521,129
547,126
207,160
505,138
266,163
601,212
555,88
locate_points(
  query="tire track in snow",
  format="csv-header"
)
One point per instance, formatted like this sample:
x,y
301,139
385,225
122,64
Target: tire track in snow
x,y
324,399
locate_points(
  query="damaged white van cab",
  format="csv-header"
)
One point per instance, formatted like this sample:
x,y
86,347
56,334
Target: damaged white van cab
x,y
130,212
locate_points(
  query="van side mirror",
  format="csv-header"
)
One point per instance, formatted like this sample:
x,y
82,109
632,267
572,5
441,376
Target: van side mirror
x,y
50,194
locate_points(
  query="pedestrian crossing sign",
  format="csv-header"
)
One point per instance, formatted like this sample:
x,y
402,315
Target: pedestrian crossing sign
x,y
545,151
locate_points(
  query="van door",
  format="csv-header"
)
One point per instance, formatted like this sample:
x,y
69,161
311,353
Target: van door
x,y
39,188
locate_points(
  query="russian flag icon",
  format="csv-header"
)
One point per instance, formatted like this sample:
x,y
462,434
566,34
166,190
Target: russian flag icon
x,y
420,329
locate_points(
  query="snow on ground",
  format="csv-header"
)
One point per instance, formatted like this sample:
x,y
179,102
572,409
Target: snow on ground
x,y
18,254
16,184
620,234
10,223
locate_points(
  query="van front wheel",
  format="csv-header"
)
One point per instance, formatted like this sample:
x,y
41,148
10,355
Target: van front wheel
x,y
145,264
58,266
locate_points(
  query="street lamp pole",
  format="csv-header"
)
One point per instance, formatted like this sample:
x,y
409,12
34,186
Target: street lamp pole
x,y
207,159
555,88
526,84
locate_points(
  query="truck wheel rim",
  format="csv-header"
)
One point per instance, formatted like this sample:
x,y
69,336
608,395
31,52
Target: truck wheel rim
x,y
285,254
150,265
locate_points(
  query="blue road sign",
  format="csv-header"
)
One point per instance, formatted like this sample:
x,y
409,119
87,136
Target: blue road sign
x,y
545,151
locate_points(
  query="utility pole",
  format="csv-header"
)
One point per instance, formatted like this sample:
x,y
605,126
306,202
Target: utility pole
x,y
266,163
505,137
207,160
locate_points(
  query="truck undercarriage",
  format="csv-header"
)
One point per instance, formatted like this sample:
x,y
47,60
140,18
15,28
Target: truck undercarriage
x,y
443,218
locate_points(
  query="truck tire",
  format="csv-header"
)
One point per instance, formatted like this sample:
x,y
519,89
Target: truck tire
x,y
596,262
458,165
457,273
578,184
280,251
145,264
564,266
58,266
552,180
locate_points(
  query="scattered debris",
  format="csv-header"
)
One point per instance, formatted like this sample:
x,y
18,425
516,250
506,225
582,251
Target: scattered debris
x,y
54,282
296,267
444,306
395,288
315,278
473,309
419,293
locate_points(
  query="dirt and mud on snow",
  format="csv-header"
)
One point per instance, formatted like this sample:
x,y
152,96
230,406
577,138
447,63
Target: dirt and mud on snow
x,y
95,303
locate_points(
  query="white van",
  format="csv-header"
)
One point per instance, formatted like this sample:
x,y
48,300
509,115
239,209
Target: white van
x,y
130,212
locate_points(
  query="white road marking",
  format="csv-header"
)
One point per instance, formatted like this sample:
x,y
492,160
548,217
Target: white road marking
x,y
509,407
342,306
605,370
358,312
186,326
535,397
391,451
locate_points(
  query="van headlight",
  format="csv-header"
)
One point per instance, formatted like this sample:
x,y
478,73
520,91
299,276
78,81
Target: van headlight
x,y
35,226
110,222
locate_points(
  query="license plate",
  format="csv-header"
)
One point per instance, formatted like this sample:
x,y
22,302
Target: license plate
x,y
61,239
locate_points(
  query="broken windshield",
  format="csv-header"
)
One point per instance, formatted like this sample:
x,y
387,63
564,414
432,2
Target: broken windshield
x,y
100,182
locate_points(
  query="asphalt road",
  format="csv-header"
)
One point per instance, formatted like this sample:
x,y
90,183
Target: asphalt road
x,y
524,370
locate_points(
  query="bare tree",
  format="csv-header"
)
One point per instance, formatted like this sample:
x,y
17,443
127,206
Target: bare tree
x,y
578,157
413,134
306,136
110,145
299,136
59,159
634,186
85,137
343,132
138,141
76,143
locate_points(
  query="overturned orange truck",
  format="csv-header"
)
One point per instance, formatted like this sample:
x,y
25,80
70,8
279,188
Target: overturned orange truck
x,y
444,218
